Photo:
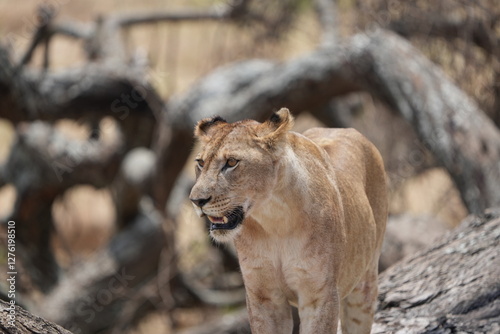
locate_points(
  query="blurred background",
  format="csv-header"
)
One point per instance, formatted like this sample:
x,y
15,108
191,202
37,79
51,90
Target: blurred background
x,y
95,142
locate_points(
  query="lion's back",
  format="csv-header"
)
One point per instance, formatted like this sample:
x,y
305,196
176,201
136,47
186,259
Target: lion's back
x,y
357,160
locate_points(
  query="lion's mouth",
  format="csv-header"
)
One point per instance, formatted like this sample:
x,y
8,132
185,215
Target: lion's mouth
x,y
228,222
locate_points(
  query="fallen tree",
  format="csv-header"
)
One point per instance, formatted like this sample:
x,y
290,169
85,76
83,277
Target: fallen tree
x,y
452,287
462,137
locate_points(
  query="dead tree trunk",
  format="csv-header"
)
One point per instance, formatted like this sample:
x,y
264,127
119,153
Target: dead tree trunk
x,y
15,320
449,122
452,287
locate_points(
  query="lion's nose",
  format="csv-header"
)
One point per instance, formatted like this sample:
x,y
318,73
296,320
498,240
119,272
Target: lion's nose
x,y
200,201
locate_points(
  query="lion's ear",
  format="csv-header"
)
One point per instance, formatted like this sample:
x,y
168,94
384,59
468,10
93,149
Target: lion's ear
x,y
276,126
203,130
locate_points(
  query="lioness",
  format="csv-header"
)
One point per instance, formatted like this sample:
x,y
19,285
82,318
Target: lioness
x,y
307,215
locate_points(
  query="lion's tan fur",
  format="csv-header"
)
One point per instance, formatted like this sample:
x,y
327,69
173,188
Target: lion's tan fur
x,y
315,212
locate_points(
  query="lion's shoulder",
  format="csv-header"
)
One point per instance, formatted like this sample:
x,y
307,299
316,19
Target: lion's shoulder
x,y
329,136
344,144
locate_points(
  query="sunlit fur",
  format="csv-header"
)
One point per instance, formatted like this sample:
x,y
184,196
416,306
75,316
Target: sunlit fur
x,y
315,210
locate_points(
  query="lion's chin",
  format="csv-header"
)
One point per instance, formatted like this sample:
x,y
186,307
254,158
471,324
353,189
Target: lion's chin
x,y
224,236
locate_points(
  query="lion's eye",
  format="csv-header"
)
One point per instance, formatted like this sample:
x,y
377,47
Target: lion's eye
x,y
201,163
231,162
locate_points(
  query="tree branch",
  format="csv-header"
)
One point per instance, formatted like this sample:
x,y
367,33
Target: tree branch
x,y
42,158
231,10
73,29
448,121
45,15
214,13
477,30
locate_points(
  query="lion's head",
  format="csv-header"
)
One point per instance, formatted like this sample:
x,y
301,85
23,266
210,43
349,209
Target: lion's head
x,y
236,169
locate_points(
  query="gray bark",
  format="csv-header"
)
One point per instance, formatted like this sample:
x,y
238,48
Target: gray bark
x,y
451,287
462,137
25,322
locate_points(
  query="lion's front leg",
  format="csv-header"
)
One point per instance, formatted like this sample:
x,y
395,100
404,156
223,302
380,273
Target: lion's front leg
x,y
268,312
319,313
268,309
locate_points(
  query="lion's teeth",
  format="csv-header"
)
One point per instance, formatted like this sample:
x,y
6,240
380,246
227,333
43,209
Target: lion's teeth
x,y
225,219
218,220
